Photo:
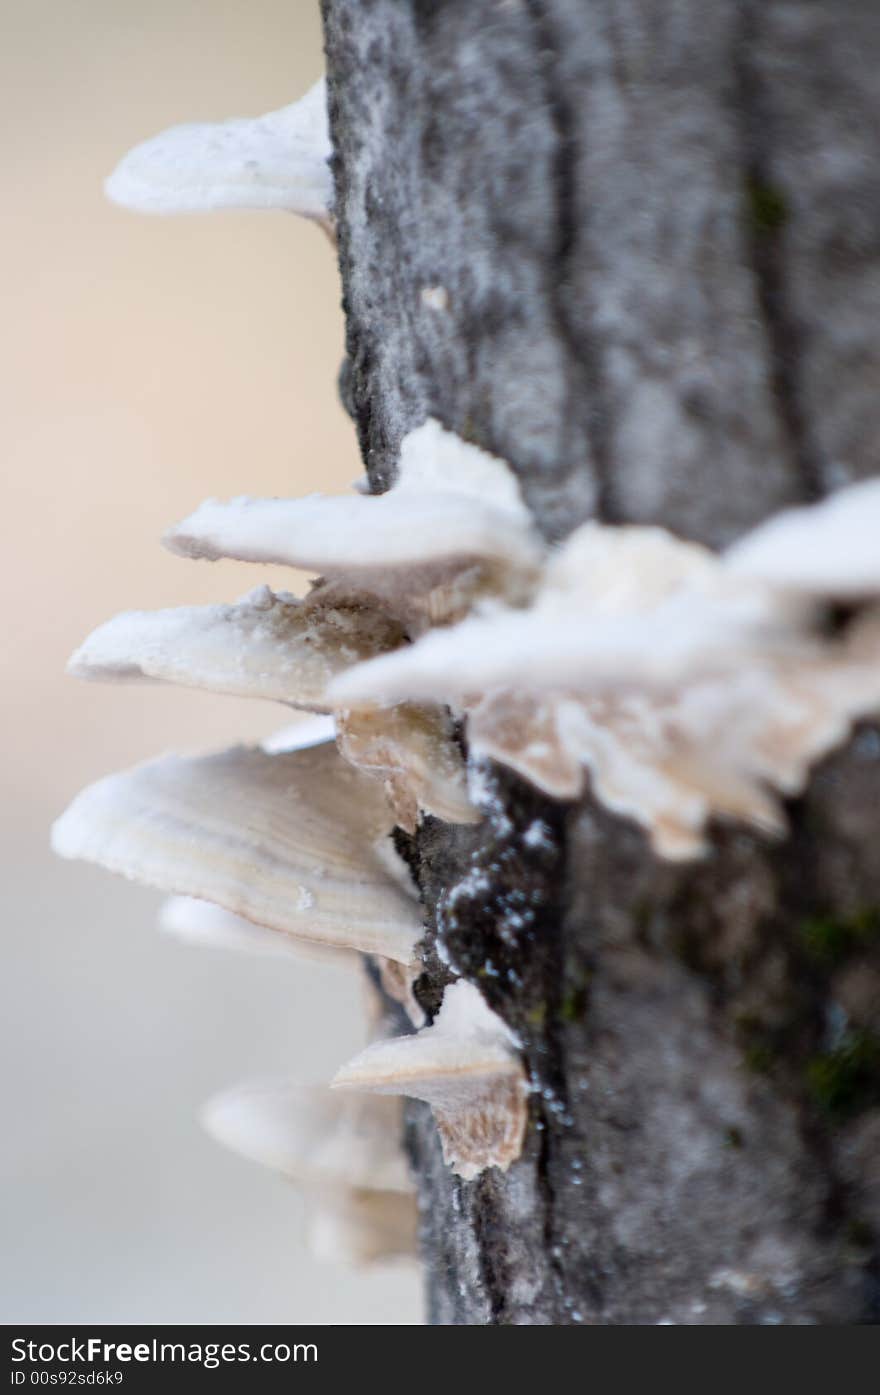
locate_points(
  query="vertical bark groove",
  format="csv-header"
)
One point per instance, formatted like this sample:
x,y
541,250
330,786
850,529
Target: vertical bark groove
x,y
765,212
581,349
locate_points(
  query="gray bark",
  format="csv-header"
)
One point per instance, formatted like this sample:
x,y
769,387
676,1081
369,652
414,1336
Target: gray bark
x,y
657,229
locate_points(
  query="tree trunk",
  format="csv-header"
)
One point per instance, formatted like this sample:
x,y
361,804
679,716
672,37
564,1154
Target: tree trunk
x,y
633,249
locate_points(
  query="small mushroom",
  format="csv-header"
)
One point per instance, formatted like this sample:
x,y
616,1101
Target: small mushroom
x,y
344,1153
279,160
452,506
466,1067
264,645
289,841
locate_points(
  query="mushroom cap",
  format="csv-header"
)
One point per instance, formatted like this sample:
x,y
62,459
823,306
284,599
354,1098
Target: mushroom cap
x,y
279,160
615,606
264,645
688,685
450,503
718,745
466,1067
466,1040
351,535
826,549
289,840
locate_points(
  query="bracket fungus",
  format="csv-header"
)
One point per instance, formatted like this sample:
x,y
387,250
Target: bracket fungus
x,y
286,840
465,1065
684,683
452,526
265,645
344,1153
279,160
689,685
825,549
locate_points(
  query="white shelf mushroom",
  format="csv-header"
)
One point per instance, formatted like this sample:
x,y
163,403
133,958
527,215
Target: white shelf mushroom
x,y
615,605
452,508
264,645
687,684
286,840
466,1067
344,1153
827,549
276,161
288,650
453,525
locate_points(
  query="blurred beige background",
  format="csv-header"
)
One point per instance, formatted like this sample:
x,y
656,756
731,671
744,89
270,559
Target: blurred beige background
x,y
146,363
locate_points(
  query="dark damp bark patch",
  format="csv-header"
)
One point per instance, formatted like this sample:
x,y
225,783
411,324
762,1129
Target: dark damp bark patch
x,y
831,939
766,207
492,892
845,1079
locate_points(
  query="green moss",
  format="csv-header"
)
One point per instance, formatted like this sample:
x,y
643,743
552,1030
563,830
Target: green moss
x,y
846,1080
758,1058
574,1004
767,209
537,1016
467,431
829,939
470,427
754,1041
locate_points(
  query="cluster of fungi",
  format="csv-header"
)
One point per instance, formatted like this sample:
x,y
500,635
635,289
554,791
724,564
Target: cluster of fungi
x,y
684,684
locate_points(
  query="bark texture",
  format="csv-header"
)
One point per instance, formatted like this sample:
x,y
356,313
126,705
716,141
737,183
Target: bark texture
x,y
650,237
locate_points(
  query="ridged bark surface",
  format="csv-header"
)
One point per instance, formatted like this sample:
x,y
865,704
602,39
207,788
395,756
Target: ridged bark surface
x,y
634,249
